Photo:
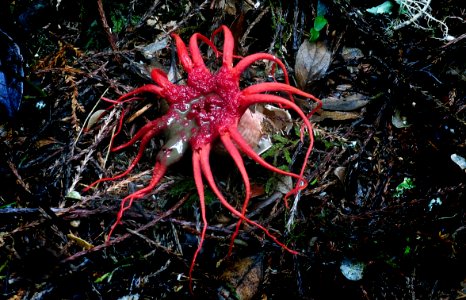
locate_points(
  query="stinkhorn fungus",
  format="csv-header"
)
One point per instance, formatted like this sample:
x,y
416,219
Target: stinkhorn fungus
x,y
208,107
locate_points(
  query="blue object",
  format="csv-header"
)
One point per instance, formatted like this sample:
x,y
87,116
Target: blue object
x,y
11,75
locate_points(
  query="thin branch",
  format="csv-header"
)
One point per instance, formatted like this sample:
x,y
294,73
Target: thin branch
x,y
127,235
108,30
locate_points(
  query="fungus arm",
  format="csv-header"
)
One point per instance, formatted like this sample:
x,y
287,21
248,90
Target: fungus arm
x,y
205,167
200,191
231,148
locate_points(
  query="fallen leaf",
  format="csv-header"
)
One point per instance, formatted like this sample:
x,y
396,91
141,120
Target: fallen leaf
x,y
45,142
149,51
345,103
279,118
94,118
258,124
284,184
245,276
75,195
351,53
399,121
230,7
312,62
340,172
334,115
79,241
257,190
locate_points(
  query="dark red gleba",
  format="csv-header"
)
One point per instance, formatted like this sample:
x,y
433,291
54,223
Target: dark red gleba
x,y
209,107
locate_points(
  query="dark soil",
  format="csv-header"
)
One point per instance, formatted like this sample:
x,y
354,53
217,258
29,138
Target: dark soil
x,y
409,239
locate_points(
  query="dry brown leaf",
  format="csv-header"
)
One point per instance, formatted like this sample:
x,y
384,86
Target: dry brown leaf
x,y
312,62
45,142
340,172
245,276
259,123
334,115
257,190
250,128
228,6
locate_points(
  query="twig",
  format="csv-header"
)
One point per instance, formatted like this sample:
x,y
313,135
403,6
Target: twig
x,y
416,9
421,11
90,150
191,227
148,14
242,41
185,19
19,179
127,235
108,30
153,243
456,40
275,196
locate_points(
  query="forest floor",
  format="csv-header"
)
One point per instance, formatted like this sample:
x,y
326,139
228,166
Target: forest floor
x,y
383,216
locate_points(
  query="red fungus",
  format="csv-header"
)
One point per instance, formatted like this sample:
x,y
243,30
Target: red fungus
x,y
209,107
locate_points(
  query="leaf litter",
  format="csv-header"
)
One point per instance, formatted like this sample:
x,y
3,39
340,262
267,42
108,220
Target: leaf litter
x,y
411,245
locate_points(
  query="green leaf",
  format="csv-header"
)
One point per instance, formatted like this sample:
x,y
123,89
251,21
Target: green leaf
x,y
280,138
8,205
209,197
73,195
118,23
328,144
287,155
270,184
182,188
319,23
407,250
103,277
314,35
407,184
272,150
3,266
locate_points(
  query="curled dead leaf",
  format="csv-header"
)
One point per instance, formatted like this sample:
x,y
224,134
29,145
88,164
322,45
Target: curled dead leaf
x,y
94,118
340,172
312,62
258,124
399,120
